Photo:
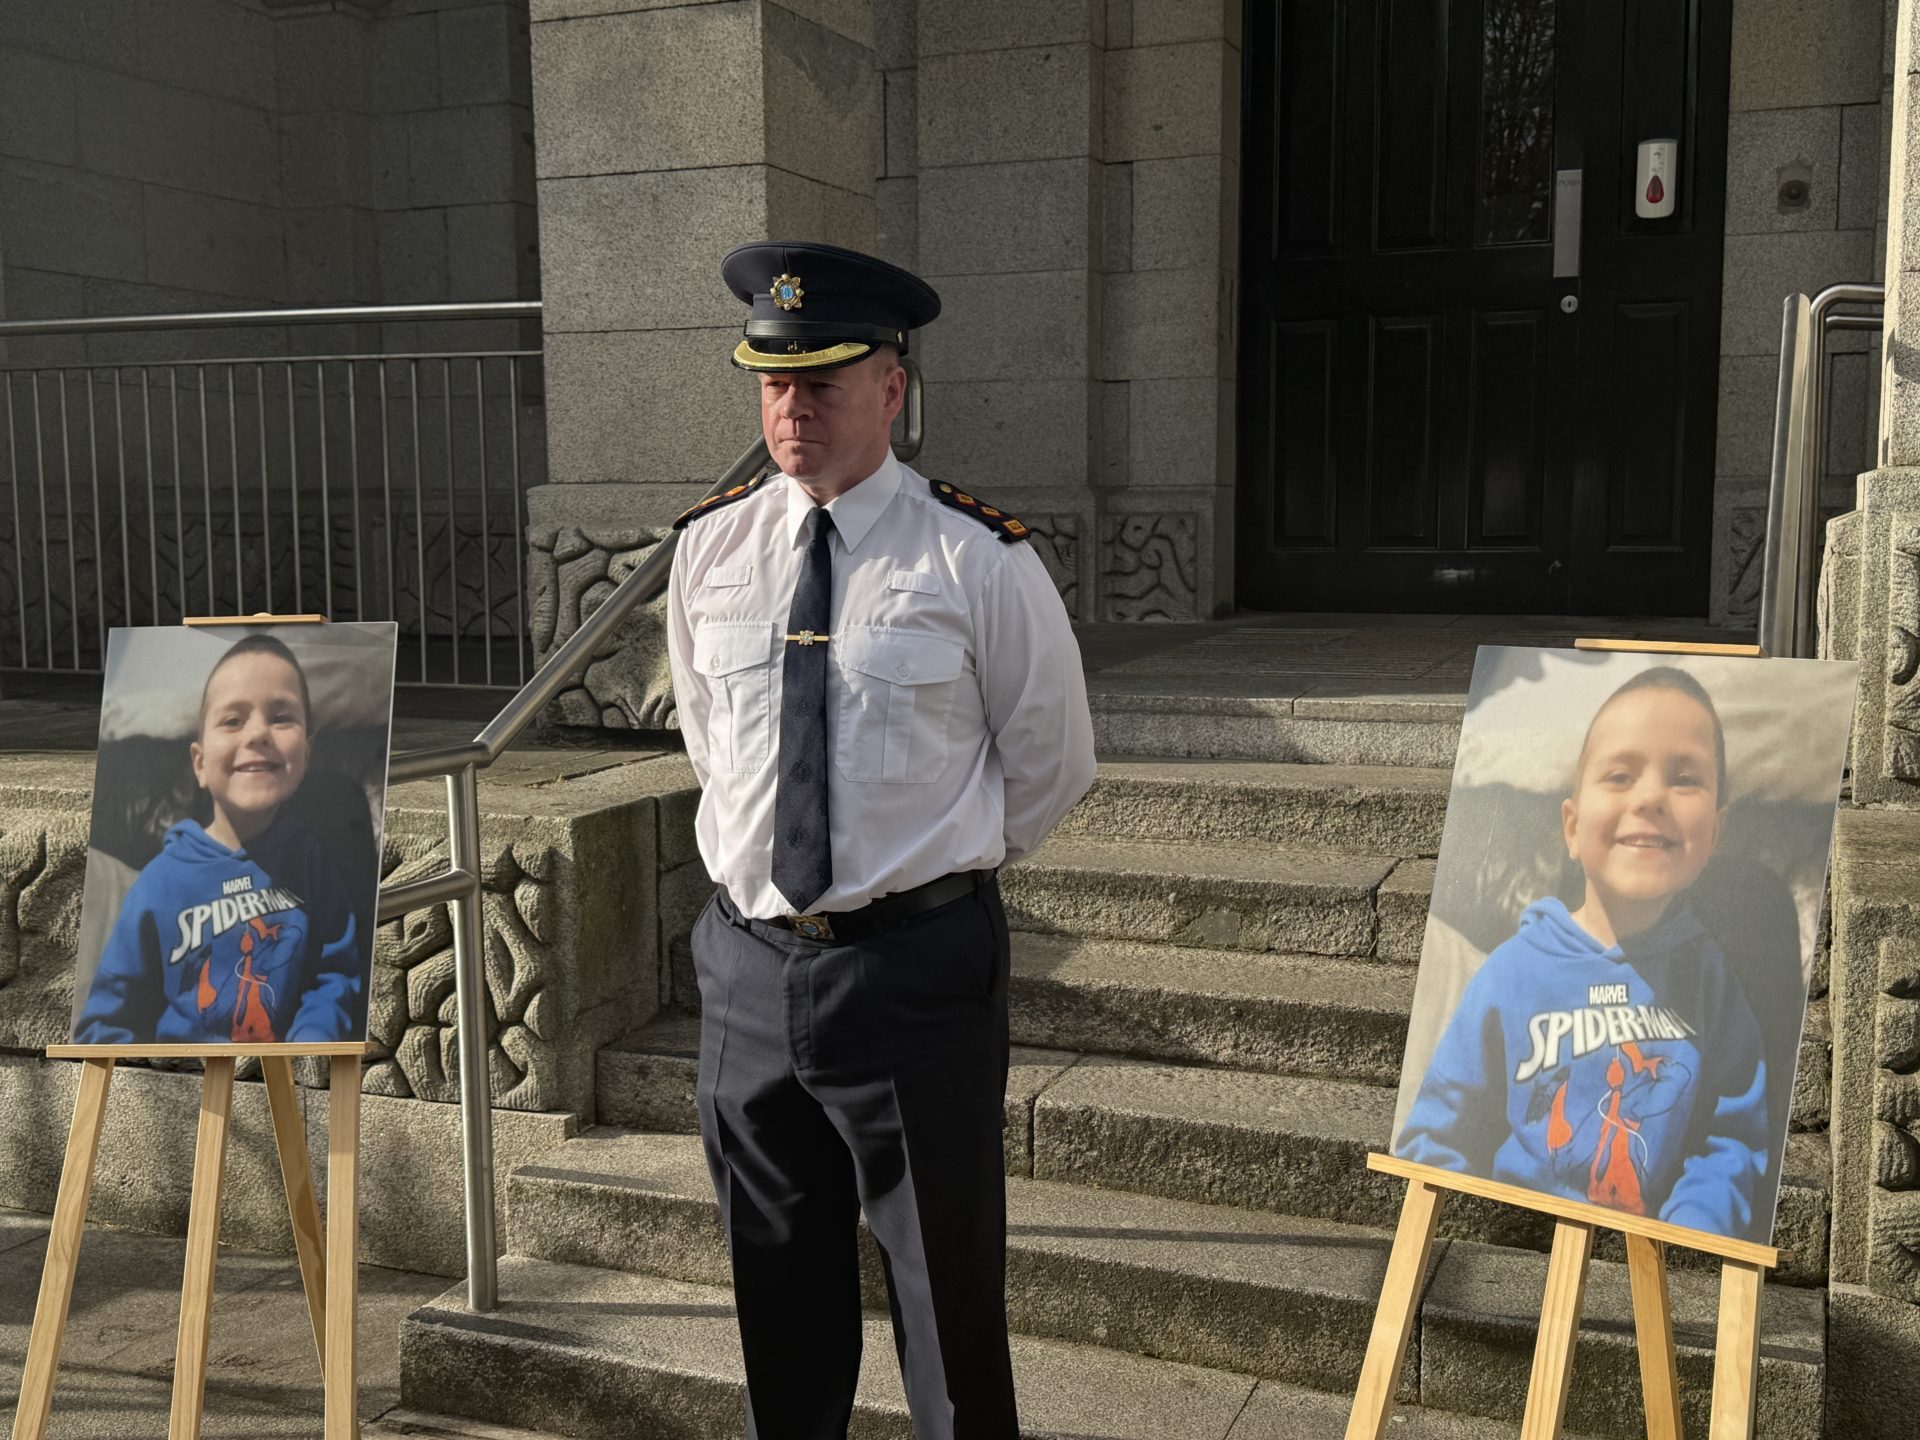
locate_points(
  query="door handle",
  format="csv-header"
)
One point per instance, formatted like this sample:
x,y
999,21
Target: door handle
x,y
1566,224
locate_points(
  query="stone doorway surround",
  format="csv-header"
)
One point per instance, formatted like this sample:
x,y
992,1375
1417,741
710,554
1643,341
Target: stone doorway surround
x,y
1066,172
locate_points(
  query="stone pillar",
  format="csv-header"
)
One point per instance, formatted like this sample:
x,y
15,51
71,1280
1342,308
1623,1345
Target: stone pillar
x,y
1171,299
1871,612
1010,206
1077,169
664,137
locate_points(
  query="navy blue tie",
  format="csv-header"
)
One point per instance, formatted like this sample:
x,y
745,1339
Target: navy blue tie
x,y
802,847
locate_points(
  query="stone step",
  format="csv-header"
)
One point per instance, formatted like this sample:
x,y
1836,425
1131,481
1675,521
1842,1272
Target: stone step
x,y
1285,1013
600,1353
592,1354
1287,1144
1272,1296
647,1081
1207,720
1297,1145
1181,1285
1362,809
1483,1307
1302,1015
1221,896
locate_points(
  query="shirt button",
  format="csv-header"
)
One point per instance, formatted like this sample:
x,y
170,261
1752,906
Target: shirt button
x,y
904,671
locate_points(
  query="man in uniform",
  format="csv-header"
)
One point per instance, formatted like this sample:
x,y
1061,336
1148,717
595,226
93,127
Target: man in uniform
x,y
883,701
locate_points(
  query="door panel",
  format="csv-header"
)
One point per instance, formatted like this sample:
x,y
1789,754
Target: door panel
x,y
1508,409
1402,398
1301,436
1411,122
1425,423
1648,451
1306,97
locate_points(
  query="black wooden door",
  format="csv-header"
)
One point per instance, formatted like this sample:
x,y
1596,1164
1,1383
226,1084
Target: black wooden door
x,y
1430,417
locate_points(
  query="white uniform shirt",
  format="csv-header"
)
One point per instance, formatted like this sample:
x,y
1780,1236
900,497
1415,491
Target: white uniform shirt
x,y
957,721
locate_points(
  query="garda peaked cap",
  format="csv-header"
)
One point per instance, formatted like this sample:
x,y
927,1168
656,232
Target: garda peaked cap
x,y
816,307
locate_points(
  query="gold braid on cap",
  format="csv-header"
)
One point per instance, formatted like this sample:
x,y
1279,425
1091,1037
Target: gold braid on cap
x,y
748,358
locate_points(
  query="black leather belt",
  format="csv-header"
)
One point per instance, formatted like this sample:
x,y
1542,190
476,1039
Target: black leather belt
x,y
886,912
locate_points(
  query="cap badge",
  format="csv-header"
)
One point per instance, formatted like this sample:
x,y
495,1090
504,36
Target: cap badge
x,y
787,293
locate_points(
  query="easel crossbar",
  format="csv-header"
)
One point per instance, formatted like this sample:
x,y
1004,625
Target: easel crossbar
x,y
1746,1252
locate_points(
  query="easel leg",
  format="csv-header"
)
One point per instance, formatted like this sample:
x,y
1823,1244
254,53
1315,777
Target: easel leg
x,y
1393,1321
1559,1329
63,1252
1653,1331
203,1249
1736,1351
309,1240
343,1249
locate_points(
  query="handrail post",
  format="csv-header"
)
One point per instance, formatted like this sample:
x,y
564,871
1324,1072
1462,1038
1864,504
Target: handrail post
x,y
1788,601
1779,578
476,1091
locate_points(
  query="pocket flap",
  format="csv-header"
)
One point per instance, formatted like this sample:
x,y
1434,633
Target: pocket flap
x,y
900,657
721,647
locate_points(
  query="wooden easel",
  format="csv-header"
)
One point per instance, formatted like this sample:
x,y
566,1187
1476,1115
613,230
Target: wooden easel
x,y
329,1264
1737,1344
329,1261
1743,1267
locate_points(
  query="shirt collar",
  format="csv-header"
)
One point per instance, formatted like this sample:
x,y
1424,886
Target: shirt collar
x,y
854,511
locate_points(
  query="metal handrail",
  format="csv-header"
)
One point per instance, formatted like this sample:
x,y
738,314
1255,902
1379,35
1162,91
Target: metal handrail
x,y
459,886
1789,620
311,315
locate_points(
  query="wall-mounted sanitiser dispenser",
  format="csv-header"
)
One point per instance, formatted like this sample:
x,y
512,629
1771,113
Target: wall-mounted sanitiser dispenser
x,y
1655,177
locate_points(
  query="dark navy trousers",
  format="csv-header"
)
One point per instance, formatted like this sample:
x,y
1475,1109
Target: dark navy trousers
x,y
841,1078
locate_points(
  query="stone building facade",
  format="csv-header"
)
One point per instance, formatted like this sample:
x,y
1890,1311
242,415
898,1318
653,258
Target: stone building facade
x,y
1067,174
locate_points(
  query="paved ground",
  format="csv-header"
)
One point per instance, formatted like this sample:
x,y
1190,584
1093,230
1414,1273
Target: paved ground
x,y
263,1381
1410,657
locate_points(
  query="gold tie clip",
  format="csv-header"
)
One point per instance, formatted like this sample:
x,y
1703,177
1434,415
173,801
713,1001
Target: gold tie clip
x,y
807,637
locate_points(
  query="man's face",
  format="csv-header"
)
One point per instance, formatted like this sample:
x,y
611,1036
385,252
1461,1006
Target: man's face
x,y
832,426
1644,817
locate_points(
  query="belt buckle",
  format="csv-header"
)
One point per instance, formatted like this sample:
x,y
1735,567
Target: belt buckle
x,y
814,927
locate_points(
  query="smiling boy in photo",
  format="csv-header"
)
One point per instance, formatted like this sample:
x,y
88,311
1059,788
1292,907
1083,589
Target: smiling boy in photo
x,y
240,930
1608,1054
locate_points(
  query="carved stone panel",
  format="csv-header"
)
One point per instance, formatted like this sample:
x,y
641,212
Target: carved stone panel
x,y
571,572
1894,1206
43,861
1902,755
1056,540
1149,567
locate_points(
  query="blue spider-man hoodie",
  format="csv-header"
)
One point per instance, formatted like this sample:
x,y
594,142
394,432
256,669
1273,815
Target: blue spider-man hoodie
x,y
1630,1077
215,946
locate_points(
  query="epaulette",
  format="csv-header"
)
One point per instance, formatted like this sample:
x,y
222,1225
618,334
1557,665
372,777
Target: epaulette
x,y
716,502
1006,526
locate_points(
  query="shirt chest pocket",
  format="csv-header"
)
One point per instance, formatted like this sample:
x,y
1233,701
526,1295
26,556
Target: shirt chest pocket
x,y
736,658
896,696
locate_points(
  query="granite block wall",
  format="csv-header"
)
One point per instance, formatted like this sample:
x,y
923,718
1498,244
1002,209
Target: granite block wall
x,y
1806,189
216,154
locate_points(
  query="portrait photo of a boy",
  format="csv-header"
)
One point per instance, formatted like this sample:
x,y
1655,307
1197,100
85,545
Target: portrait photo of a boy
x,y
233,862
1622,930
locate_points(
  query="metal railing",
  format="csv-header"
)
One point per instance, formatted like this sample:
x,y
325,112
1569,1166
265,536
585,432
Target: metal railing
x,y
459,886
1789,600
366,486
